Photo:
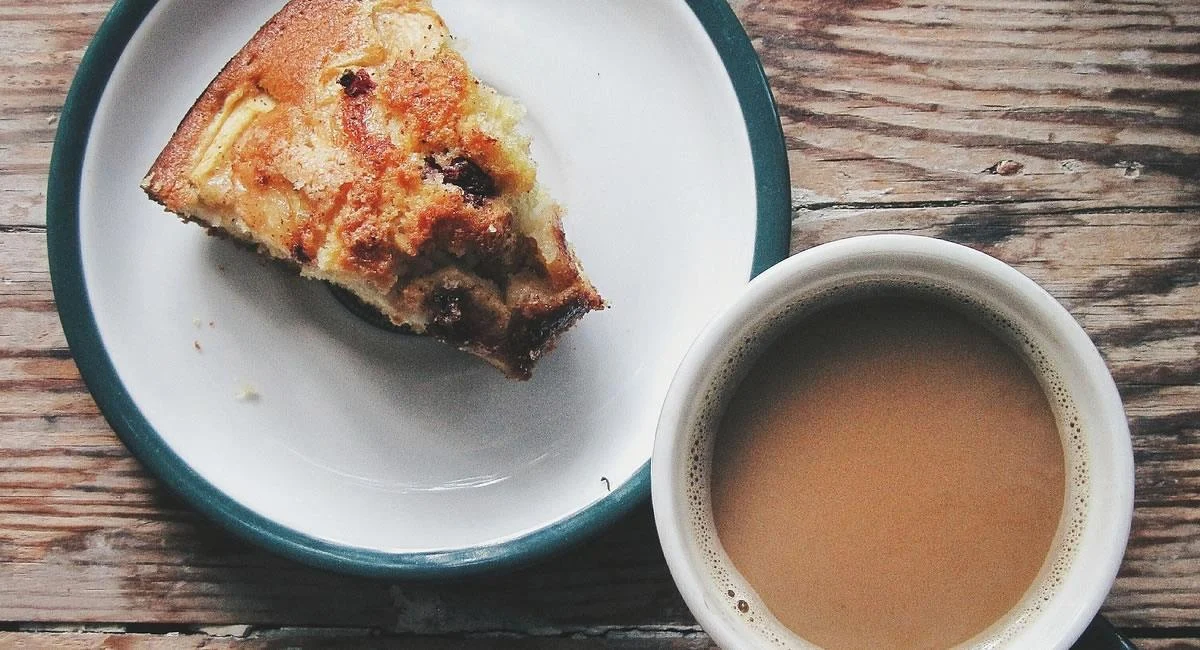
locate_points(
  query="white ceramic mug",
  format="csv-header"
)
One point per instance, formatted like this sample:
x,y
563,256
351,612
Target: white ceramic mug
x,y
1095,524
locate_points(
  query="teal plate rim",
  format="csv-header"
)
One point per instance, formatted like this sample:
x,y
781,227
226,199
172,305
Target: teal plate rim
x,y
769,154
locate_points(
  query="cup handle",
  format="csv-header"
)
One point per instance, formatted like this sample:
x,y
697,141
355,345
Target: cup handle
x,y
1101,635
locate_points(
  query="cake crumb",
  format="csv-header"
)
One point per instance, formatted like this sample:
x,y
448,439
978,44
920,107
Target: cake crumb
x,y
196,344
196,322
247,393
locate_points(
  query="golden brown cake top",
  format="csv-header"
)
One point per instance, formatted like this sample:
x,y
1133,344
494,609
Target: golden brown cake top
x,y
350,137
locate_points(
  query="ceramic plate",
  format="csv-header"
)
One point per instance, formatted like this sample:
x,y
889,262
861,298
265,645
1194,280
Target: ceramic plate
x,y
282,416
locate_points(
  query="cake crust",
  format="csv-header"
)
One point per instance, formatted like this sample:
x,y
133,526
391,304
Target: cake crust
x,y
349,138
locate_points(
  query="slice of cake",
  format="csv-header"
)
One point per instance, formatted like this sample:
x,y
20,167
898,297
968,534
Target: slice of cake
x,y
350,138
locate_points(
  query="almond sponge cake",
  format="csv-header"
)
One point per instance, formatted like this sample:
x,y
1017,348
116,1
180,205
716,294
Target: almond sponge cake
x,y
349,138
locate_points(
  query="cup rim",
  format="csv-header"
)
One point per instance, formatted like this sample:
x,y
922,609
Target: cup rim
x,y
1111,501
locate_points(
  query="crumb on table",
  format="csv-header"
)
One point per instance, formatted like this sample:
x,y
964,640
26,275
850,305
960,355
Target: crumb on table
x,y
247,393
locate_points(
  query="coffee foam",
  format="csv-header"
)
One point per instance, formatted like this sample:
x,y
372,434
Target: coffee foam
x,y
738,595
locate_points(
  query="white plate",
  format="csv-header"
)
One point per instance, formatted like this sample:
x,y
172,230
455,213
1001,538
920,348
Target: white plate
x,y
377,453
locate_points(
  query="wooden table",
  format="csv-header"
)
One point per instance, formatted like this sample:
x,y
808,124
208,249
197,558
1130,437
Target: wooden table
x,y
1062,136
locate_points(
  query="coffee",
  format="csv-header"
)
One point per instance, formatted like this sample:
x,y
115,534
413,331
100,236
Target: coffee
x,y
889,473
888,274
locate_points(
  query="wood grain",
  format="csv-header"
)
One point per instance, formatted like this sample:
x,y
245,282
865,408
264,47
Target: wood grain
x,y
366,640
1062,137
886,101
350,640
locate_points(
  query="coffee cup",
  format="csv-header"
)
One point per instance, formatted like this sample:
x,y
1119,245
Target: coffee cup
x,y
1085,544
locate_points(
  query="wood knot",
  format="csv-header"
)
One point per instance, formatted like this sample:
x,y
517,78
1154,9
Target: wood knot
x,y
1005,168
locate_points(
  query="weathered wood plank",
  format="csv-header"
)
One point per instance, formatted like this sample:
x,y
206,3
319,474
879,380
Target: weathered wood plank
x,y
353,640
1167,644
644,639
43,43
906,100
1158,585
153,561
